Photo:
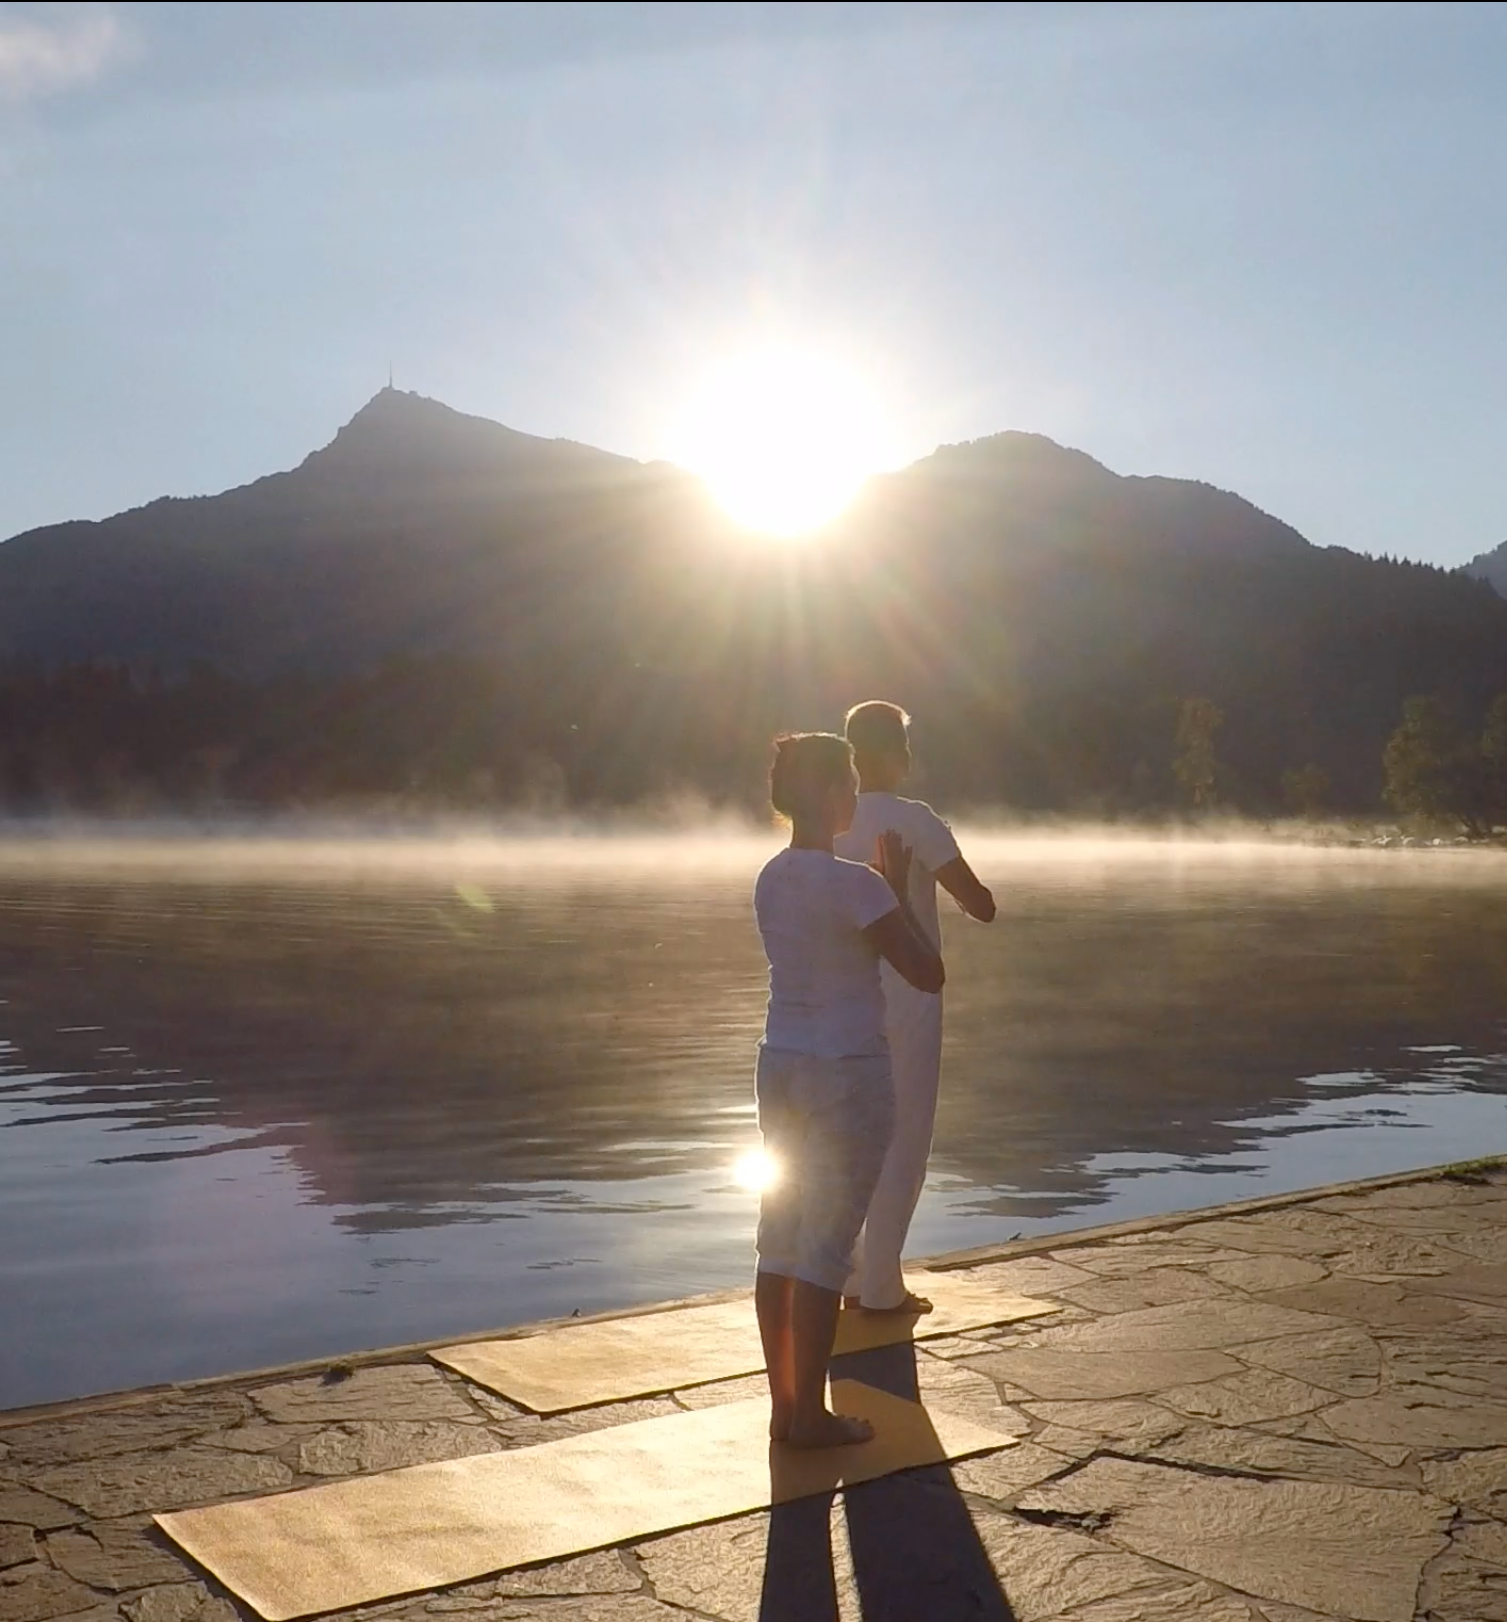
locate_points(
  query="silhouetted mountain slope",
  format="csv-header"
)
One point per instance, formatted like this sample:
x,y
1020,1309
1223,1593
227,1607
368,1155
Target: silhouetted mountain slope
x,y
1491,567
371,546
435,604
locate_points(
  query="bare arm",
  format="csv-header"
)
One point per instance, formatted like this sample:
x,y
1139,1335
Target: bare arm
x,y
962,884
899,941
897,936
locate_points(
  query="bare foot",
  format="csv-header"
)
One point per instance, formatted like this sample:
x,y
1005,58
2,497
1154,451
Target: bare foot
x,y
913,1305
830,1430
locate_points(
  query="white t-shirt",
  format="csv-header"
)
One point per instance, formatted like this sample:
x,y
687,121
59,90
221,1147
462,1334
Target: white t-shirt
x,y
930,841
824,992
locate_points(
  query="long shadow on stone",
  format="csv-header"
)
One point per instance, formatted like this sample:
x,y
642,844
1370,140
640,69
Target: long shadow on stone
x,y
800,1583
916,1555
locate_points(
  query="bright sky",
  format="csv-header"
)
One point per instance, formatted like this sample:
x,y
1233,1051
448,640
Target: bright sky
x,y
1259,245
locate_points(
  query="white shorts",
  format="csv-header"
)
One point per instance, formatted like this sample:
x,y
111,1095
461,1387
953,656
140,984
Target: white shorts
x,y
827,1125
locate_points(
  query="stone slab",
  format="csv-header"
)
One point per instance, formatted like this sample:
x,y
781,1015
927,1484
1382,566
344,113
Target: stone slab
x,y
1424,1193
1050,1572
1476,1478
117,1555
968,1393
36,1593
18,1545
1067,1373
1188,1326
1258,1273
1258,1453
27,1508
173,1602
1482,1540
1378,1306
1457,1589
1432,1219
1155,1287
134,1483
361,1445
1005,1475
1125,1258
67,1438
719,1571
1031,1275
1475,1281
1488,1244
1345,1361
596,1608
1176,1602
604,1572
1128,1425
1415,1416
1246,1398
1356,1552
1311,1428
1469,1358
1319,1235
411,1391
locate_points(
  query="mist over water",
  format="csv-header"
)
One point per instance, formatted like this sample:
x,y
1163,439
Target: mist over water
x,y
266,1098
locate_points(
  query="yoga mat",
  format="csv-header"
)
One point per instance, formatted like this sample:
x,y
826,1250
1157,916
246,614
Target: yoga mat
x,y
370,1538
579,1366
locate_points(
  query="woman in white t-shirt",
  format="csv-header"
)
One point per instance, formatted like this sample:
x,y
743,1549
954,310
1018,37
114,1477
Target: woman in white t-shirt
x,y
825,1096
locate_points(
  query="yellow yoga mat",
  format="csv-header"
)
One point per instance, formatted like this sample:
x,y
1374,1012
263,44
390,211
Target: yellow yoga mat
x,y
582,1365
370,1538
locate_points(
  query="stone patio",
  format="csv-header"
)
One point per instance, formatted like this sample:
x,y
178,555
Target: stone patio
x,y
1290,1411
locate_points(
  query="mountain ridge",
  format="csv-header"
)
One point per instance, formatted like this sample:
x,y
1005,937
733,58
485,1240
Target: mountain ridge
x,y
1491,567
397,423
472,601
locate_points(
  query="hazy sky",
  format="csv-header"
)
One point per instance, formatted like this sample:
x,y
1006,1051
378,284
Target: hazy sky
x,y
1260,245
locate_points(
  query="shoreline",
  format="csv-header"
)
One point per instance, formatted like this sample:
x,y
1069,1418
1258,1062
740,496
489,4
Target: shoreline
x,y
1290,1408
716,823
945,1261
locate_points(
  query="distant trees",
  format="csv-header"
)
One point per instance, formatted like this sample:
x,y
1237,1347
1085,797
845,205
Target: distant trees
x,y
1494,758
452,733
1422,761
1438,770
1196,767
1306,790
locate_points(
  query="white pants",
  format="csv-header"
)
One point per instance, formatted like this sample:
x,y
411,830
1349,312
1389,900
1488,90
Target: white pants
x,y
913,1023
827,1122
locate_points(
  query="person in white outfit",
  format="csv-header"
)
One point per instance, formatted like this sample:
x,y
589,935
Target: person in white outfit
x,y
879,734
825,1098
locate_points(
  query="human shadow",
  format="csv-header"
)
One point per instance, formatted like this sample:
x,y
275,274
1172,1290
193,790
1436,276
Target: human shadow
x,y
916,1554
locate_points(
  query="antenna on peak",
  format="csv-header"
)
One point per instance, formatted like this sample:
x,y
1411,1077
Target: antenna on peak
x,y
389,374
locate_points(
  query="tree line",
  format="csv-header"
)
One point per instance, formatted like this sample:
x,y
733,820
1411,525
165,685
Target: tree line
x,y
455,734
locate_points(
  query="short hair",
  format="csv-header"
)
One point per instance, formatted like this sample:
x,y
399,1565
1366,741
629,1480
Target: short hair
x,y
876,728
806,766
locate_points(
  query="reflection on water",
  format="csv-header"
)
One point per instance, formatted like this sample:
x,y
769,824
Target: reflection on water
x,y
261,1105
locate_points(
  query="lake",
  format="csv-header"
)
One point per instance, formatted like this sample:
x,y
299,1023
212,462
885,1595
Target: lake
x,y
263,1101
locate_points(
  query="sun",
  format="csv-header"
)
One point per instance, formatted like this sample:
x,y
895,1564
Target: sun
x,y
784,437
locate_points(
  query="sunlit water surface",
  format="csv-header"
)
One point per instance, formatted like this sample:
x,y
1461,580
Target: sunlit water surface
x,y
262,1103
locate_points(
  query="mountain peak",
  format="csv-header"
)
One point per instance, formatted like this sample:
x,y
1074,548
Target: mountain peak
x,y
401,431
1015,454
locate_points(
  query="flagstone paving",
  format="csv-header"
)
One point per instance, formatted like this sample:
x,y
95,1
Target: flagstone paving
x,y
1295,1413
